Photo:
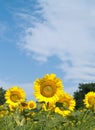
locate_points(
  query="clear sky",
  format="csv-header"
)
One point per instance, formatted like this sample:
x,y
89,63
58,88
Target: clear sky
x,y
47,36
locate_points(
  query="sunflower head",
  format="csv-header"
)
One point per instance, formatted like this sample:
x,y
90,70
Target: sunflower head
x,y
3,111
15,95
12,107
62,112
89,100
23,105
48,89
67,101
31,105
65,104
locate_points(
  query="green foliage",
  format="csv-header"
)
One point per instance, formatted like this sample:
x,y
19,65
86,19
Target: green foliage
x,y
80,94
2,99
47,120
39,119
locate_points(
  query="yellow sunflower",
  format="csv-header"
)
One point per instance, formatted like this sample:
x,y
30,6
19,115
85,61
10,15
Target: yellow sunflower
x,y
48,89
62,112
66,104
3,111
31,105
89,100
23,105
12,107
14,96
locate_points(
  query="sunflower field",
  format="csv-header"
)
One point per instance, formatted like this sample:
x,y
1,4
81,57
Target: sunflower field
x,y
54,109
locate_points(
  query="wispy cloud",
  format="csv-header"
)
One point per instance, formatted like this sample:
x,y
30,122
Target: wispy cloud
x,y
3,30
68,32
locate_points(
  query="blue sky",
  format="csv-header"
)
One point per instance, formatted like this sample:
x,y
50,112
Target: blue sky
x,y
47,36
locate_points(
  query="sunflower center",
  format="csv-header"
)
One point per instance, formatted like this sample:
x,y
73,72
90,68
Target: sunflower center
x,y
14,97
31,105
23,104
92,101
65,105
47,91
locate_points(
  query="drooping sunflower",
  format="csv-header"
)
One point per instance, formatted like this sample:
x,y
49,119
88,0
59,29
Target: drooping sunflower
x,y
62,112
89,99
15,95
48,89
31,105
66,104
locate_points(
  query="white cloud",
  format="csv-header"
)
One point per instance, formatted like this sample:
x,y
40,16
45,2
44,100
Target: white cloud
x,y
68,32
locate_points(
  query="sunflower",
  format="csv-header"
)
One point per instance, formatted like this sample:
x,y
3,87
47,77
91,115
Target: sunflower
x,y
23,105
68,101
3,111
48,89
65,104
14,96
31,105
62,112
89,99
12,107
